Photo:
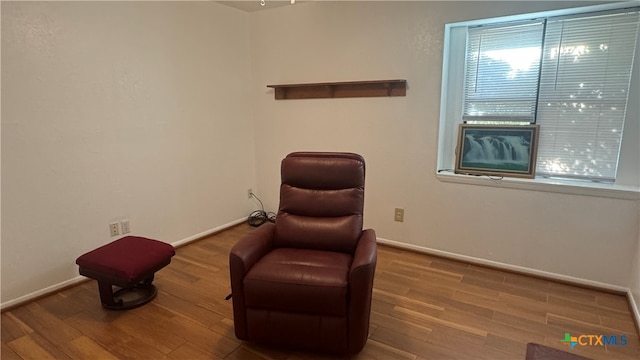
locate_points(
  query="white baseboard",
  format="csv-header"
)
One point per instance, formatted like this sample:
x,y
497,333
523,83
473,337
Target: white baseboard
x,y
508,267
42,292
524,270
78,279
634,309
208,232
578,281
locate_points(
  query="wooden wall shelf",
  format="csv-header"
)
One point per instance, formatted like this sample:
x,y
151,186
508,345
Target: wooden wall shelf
x,y
341,89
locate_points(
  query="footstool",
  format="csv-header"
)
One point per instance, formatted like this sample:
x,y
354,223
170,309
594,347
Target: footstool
x,y
129,263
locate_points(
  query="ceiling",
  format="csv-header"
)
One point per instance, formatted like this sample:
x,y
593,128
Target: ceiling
x,y
254,5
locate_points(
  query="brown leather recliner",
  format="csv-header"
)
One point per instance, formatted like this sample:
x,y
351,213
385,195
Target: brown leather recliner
x,y
305,282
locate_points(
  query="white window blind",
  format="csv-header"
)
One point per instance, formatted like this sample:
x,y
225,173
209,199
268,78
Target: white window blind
x,y
502,70
583,92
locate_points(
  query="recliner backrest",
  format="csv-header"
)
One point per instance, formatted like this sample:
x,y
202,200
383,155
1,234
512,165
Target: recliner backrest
x,y
321,201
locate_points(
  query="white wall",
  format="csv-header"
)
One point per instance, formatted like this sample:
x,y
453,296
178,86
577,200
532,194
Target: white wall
x,y
113,110
581,237
141,110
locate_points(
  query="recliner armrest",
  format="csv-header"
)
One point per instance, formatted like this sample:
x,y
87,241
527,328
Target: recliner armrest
x,y
361,275
253,247
365,253
244,254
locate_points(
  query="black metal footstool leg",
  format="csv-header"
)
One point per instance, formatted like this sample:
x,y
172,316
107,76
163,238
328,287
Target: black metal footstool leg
x,y
127,297
106,296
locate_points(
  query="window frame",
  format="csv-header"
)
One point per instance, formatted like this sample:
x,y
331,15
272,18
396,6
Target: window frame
x,y
627,184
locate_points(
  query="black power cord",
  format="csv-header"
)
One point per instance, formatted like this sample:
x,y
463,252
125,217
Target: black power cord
x,y
260,217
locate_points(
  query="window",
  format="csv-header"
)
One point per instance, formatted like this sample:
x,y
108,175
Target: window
x,y
503,66
583,94
569,73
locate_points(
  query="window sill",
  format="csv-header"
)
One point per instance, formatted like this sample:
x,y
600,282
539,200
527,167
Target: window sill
x,y
548,185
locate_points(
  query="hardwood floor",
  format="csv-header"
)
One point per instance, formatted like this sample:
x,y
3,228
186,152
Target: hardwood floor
x,y
424,307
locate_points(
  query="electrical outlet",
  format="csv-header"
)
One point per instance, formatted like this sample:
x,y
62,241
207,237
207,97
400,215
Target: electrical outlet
x,y
399,215
114,229
125,226
249,193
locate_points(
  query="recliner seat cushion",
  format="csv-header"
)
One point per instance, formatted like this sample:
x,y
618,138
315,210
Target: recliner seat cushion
x,y
299,280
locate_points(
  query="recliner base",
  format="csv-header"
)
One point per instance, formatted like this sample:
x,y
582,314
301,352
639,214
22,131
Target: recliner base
x,y
128,297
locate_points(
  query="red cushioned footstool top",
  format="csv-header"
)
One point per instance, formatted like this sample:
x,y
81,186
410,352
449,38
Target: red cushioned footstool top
x,y
127,258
